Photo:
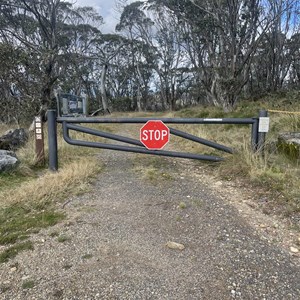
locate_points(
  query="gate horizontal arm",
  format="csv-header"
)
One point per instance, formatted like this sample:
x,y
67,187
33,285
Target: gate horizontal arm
x,y
165,120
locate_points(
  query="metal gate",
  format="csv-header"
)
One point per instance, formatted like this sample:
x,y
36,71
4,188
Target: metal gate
x,y
71,123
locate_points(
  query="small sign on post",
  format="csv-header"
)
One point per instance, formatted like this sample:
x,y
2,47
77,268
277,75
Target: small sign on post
x,y
39,141
264,124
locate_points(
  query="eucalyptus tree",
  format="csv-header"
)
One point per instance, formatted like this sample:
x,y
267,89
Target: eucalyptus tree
x,y
221,39
37,26
138,30
105,48
122,81
14,76
173,65
274,55
77,65
294,54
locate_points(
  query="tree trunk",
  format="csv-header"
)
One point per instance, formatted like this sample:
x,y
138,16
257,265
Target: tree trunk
x,y
139,98
103,89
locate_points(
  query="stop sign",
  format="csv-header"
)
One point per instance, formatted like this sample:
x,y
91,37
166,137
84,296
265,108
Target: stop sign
x,y
154,135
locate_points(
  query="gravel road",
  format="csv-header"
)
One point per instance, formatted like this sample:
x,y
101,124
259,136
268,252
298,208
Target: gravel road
x,y
114,244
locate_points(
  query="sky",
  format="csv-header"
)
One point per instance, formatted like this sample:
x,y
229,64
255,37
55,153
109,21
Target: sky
x,y
107,9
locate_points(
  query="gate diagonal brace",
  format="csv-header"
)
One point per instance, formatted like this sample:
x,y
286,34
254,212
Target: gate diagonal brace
x,y
131,141
200,140
105,134
67,127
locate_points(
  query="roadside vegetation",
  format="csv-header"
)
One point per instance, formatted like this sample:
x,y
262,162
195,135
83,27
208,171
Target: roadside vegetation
x,y
31,197
274,176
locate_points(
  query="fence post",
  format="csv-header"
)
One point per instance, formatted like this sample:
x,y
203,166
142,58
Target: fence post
x,y
254,135
263,128
52,140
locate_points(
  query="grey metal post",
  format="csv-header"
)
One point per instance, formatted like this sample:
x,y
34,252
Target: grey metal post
x,y
52,140
261,136
254,135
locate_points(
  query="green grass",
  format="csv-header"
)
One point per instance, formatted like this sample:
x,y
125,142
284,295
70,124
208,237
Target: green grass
x,y
28,284
63,238
12,251
182,205
54,234
153,168
17,221
12,180
87,256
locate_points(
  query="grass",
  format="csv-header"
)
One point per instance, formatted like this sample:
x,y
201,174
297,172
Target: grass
x,y
12,251
54,234
16,222
63,238
87,256
182,205
272,174
153,168
28,284
29,196
12,180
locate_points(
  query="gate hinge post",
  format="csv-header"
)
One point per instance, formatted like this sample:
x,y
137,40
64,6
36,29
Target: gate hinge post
x,y
261,135
52,140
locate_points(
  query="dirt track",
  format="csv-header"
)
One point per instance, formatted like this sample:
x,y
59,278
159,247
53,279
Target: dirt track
x,y
116,237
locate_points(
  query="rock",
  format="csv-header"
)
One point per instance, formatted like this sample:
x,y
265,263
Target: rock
x,y
262,225
294,250
8,160
289,144
175,246
25,277
12,270
13,139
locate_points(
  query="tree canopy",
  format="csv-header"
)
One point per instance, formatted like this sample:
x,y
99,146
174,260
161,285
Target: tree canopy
x,y
165,53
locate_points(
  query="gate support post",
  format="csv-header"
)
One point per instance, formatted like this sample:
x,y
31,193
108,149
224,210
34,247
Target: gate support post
x,y
254,135
261,132
52,140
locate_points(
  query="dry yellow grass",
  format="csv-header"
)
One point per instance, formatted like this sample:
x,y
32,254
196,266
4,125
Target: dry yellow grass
x,y
77,166
273,172
53,187
4,128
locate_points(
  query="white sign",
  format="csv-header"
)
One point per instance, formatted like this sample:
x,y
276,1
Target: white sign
x,y
212,120
38,130
38,136
38,125
264,124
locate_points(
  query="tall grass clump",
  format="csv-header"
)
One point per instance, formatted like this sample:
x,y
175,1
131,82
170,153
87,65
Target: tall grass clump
x,y
72,178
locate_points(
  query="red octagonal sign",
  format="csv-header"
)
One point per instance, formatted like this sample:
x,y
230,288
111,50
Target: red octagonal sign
x,y
154,135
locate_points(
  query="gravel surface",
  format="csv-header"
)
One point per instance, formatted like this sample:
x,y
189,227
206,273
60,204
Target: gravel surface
x,y
113,244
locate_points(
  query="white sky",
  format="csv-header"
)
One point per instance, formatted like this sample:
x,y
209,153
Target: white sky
x,y
107,9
